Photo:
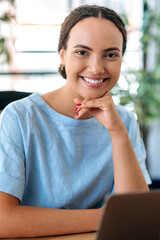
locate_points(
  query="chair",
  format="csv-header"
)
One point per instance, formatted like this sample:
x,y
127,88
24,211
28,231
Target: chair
x,y
7,97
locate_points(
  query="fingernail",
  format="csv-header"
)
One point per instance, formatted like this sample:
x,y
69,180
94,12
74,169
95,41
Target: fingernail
x,y
79,104
77,115
76,109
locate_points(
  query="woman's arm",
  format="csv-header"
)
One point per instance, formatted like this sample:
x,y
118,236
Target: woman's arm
x,y
128,175
127,172
25,221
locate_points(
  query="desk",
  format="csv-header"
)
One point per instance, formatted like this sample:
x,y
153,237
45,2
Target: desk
x,y
79,236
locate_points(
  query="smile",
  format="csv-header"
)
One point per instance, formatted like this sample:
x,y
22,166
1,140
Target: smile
x,y
94,81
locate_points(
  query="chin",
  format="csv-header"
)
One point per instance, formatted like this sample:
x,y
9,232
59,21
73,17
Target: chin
x,y
88,95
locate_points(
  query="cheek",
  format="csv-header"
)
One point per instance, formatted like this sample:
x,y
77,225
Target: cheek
x,y
75,66
114,69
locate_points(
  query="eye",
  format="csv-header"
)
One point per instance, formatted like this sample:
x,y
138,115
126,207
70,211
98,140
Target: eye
x,y
81,52
111,55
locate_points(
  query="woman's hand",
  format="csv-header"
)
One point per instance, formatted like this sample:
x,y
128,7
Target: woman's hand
x,y
128,175
103,109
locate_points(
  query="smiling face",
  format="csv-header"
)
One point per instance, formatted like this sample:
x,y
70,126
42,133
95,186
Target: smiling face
x,y
93,58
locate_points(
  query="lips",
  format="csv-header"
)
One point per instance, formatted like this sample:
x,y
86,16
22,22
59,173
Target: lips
x,y
93,81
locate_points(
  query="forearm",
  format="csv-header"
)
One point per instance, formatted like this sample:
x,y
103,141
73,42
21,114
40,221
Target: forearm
x,y
23,221
128,175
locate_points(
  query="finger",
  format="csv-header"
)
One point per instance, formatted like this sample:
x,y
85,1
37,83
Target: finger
x,y
101,103
81,112
97,103
78,101
77,109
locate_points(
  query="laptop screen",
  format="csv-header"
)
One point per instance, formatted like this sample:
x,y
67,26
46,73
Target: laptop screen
x,y
131,216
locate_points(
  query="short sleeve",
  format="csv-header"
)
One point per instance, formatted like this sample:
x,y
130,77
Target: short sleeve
x,y
138,145
12,169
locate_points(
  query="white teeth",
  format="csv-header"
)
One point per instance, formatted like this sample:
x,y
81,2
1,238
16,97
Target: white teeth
x,y
93,81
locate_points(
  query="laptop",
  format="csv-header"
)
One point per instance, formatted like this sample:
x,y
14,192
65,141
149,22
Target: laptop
x,y
134,216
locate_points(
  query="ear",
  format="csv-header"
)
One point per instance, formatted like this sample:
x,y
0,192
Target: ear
x,y
62,56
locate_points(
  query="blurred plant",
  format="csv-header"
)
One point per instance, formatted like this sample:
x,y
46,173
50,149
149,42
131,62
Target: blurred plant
x,y
147,99
5,17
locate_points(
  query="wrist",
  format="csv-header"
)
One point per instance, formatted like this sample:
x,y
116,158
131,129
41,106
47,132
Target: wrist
x,y
120,133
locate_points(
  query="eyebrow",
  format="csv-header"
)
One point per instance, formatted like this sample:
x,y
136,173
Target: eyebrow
x,y
90,49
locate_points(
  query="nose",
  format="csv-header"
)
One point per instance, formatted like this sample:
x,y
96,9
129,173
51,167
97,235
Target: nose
x,y
96,66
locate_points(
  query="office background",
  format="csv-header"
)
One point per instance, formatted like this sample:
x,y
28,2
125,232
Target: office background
x,y
29,61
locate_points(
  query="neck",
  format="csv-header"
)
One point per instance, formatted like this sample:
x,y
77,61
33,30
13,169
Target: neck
x,y
67,99
62,101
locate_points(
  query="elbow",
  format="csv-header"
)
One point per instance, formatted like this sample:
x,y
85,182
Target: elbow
x,y
4,230
6,227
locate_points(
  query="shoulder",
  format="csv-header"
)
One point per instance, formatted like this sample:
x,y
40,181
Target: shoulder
x,y
20,107
126,116
131,124
129,121
17,112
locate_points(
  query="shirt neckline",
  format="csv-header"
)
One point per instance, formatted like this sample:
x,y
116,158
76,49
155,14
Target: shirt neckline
x,y
58,116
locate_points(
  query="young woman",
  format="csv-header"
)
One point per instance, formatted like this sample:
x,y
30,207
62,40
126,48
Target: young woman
x,y
61,153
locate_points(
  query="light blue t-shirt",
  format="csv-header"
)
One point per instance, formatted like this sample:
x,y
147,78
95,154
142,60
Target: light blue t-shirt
x,y
51,160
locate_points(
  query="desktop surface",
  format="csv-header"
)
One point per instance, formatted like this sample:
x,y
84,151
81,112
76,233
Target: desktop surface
x,y
79,236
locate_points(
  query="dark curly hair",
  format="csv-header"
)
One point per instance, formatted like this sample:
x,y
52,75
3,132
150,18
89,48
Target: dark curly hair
x,y
86,11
